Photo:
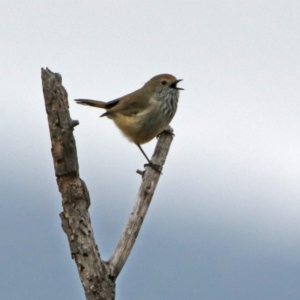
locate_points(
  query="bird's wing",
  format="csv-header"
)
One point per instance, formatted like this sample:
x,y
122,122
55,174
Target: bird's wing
x,y
128,105
112,103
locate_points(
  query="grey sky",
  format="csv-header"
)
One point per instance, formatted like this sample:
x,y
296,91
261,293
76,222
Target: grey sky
x,y
224,223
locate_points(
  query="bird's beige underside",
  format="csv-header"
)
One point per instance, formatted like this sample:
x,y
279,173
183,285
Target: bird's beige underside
x,y
138,127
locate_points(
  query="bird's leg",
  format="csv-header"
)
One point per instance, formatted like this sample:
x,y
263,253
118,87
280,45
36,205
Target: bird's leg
x,y
150,163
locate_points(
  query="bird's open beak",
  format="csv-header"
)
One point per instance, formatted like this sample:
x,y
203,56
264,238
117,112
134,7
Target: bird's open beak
x,y
173,85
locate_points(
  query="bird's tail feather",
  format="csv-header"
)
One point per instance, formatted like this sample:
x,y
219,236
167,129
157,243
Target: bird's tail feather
x,y
94,103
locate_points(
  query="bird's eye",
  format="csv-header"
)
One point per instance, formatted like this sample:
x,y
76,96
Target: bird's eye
x,y
163,82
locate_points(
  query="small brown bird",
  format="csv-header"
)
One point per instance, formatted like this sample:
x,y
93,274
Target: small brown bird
x,y
145,113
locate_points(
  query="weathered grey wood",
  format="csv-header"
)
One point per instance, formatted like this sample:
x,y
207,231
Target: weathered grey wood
x,y
97,276
143,200
93,272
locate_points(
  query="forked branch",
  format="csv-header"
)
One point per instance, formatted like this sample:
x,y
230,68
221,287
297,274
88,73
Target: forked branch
x,y
97,276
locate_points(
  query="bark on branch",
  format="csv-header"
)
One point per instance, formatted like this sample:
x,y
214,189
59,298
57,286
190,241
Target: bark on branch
x,y
97,276
143,200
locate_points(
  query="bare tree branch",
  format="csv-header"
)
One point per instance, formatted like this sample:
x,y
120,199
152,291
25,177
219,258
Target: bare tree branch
x,y
143,200
75,197
97,276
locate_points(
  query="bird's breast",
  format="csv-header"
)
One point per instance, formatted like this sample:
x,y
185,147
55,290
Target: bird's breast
x,y
144,125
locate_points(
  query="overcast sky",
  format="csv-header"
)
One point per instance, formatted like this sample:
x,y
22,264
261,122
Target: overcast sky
x,y
224,222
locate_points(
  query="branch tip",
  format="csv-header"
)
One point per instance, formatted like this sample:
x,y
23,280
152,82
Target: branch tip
x,y
140,172
74,123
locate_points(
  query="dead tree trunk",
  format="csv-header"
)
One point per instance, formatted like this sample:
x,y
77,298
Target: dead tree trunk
x,y
97,276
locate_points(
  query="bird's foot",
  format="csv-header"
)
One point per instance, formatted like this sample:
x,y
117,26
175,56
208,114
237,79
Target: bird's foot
x,y
168,130
155,167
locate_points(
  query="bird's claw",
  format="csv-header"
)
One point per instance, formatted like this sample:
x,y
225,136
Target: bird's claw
x,y
155,167
168,130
